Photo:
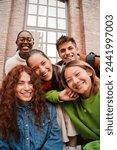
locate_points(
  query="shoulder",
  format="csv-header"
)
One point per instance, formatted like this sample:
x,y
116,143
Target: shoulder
x,y
10,63
56,68
82,57
59,63
51,108
11,59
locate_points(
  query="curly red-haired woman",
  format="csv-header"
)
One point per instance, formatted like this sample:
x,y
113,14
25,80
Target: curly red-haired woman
x,y
27,121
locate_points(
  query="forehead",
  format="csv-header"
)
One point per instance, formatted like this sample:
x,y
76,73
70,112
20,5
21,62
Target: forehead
x,y
36,59
72,70
38,56
24,76
25,34
66,44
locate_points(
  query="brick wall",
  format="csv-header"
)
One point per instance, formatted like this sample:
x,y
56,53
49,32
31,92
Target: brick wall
x,y
76,25
84,20
5,11
16,25
11,22
91,14
83,25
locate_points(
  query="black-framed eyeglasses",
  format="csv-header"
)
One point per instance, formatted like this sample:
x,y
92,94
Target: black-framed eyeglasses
x,y
22,40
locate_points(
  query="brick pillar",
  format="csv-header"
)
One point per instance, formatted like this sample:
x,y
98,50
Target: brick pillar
x,y
15,26
5,12
76,23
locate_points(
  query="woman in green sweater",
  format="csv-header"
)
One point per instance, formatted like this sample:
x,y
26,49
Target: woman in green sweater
x,y
85,111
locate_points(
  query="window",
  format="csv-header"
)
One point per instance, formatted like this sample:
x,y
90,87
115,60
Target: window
x,y
46,19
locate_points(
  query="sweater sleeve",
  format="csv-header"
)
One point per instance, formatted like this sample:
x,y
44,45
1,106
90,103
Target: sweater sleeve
x,y
53,96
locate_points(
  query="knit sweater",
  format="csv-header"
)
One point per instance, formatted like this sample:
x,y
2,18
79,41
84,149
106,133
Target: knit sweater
x,y
85,114
13,61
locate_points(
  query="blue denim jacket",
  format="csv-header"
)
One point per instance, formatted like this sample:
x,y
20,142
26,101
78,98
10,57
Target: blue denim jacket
x,y
46,138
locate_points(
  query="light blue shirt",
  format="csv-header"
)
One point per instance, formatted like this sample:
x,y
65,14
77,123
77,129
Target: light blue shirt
x,y
31,138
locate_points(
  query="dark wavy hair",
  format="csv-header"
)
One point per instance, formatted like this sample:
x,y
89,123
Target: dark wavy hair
x,y
63,39
95,80
9,102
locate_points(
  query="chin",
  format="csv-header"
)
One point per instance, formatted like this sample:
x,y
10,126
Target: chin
x,y
48,79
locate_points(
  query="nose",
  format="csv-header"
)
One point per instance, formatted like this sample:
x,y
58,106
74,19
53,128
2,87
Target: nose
x,y
67,52
25,41
75,80
42,69
26,86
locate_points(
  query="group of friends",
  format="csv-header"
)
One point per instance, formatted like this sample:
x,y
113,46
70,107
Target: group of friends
x,y
45,106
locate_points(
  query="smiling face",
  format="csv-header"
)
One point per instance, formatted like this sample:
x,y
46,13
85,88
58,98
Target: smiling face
x,y
78,80
68,52
24,43
24,88
41,65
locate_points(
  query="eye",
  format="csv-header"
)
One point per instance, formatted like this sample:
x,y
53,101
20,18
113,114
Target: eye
x,y
35,69
43,62
77,74
68,80
70,47
29,39
21,39
62,50
31,83
20,82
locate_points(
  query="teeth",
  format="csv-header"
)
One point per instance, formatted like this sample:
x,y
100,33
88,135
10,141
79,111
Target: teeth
x,y
45,74
79,86
26,94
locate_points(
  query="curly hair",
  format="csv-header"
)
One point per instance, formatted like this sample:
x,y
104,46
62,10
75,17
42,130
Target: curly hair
x,y
95,80
9,102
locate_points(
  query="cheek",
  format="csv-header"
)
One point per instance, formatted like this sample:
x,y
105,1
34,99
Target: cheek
x,y
17,93
70,85
16,89
31,45
61,55
37,72
18,45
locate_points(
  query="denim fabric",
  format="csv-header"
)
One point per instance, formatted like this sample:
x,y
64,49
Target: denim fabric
x,y
46,138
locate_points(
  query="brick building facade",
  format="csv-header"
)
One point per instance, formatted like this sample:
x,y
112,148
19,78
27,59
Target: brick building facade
x,y
82,23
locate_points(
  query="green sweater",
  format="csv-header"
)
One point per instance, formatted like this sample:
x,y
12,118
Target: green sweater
x,y
85,114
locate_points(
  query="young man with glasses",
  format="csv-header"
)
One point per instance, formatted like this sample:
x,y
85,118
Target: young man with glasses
x,y
24,42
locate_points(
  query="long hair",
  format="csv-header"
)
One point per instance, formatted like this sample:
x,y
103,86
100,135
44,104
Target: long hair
x,y
94,79
9,102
